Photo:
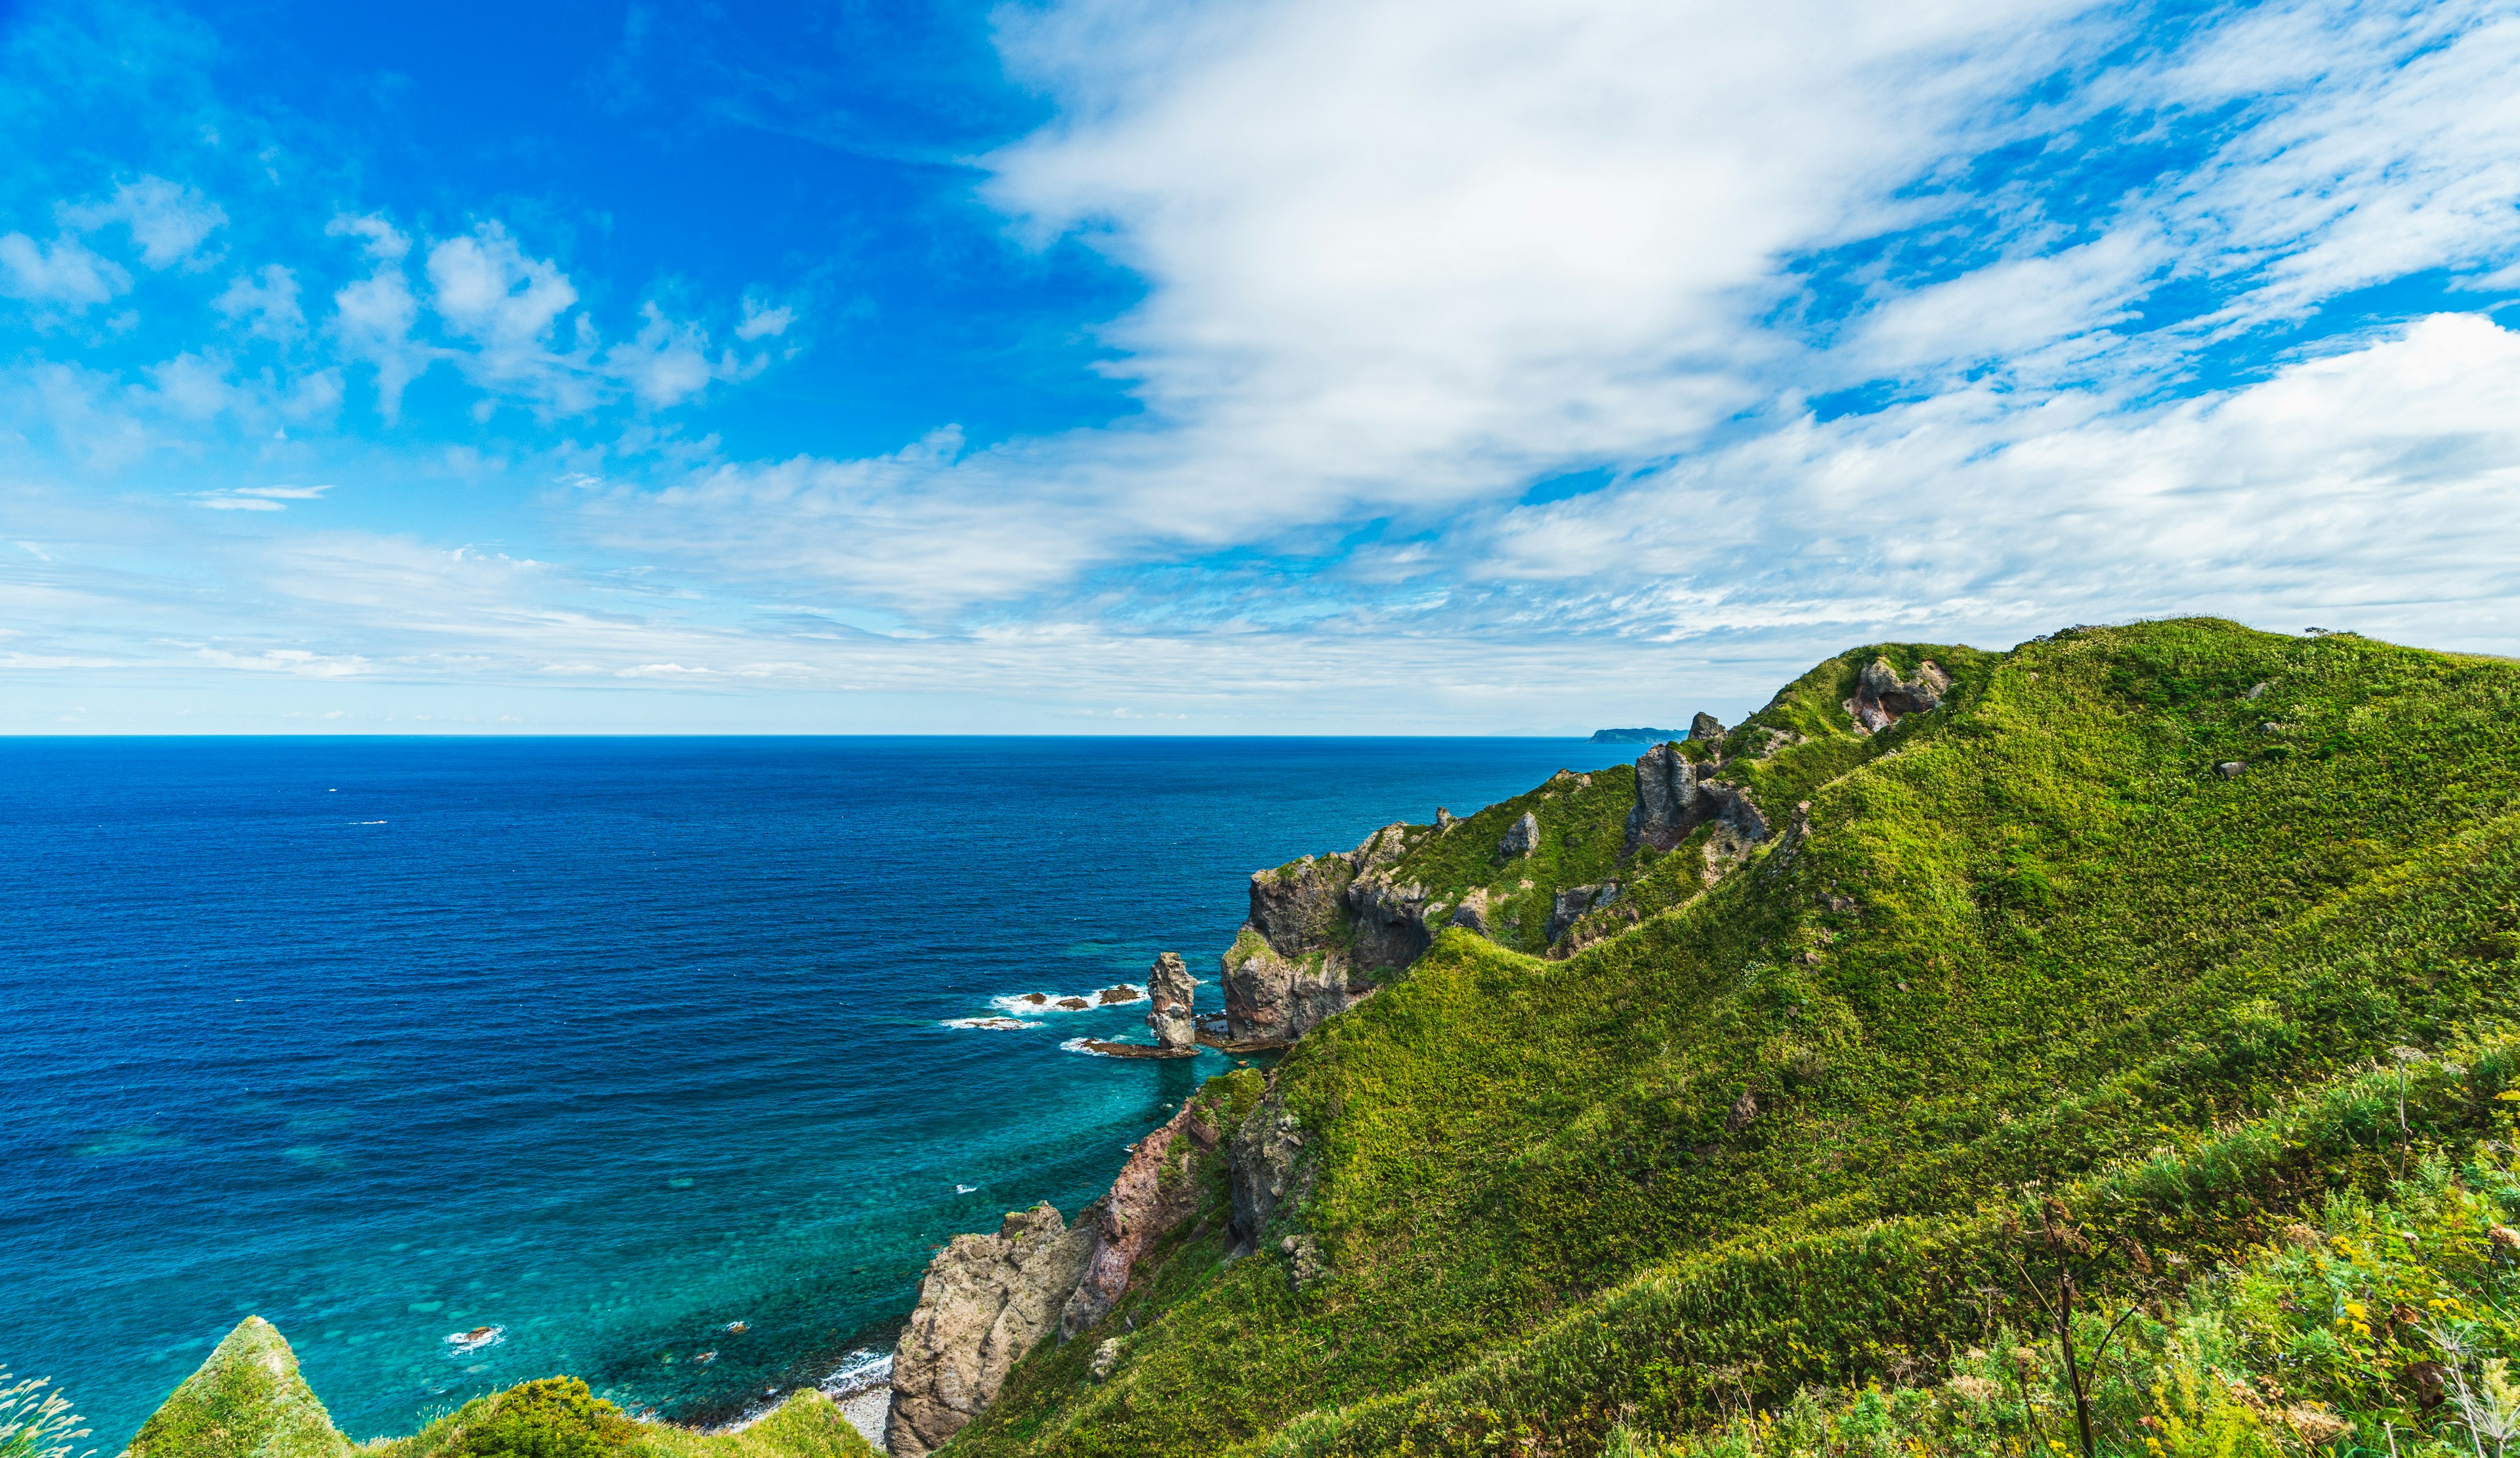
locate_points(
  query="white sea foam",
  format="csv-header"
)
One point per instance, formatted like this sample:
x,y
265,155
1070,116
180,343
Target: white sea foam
x,y
1021,1003
465,1344
861,1370
995,1025
1081,1045
967,1189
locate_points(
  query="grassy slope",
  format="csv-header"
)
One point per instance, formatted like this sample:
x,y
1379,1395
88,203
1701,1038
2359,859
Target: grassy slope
x,y
2031,936
247,1401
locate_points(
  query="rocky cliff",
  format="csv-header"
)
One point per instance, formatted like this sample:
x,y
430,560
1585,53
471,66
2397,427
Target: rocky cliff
x,y
985,1303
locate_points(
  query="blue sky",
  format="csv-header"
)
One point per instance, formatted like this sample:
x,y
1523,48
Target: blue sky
x,y
1315,366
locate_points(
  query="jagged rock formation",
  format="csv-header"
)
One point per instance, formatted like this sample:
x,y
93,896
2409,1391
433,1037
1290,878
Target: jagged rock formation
x,y
1705,727
1883,697
1521,838
1475,914
1170,1019
1297,907
1153,1193
1271,998
1673,800
246,1400
1269,1170
1666,807
1573,901
1391,923
985,1301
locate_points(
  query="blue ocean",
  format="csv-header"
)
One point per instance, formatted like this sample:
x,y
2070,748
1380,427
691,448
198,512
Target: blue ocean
x,y
653,1056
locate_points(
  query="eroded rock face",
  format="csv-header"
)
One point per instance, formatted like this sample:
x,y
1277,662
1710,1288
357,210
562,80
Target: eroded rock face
x,y
1882,698
1521,838
1170,1019
1666,807
1390,922
985,1301
1573,901
1476,912
1269,1171
1705,726
1153,1193
1296,906
1272,997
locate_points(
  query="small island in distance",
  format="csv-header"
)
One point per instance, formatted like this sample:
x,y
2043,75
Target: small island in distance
x,y
1636,735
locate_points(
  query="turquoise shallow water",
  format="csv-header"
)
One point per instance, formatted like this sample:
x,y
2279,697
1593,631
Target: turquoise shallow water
x,y
608,1044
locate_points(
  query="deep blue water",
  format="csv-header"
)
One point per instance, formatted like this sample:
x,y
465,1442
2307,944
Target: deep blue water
x,y
609,1043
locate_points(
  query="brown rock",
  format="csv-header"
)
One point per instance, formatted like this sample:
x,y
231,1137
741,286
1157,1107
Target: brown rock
x,y
1170,989
1153,1193
985,1301
1883,697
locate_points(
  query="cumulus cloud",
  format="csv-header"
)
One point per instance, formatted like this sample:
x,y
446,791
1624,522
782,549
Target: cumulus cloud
x,y
169,221
63,272
265,304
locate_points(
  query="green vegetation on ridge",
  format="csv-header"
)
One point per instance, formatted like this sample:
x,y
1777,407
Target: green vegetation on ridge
x,y
246,1400
2036,938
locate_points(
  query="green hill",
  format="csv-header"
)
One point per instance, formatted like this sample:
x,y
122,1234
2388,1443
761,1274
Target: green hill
x,y
2129,920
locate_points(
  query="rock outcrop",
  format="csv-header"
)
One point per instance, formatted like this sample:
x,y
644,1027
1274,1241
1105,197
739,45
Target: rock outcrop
x,y
1521,838
1883,695
1666,807
1572,903
1390,922
1272,997
1301,907
1155,1192
1268,1169
1705,727
1475,914
1171,1020
985,1301
1673,800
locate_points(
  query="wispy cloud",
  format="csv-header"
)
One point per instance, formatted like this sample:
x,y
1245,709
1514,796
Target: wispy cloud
x,y
259,498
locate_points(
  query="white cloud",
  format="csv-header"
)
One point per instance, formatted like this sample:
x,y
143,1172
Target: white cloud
x,y
259,498
762,321
168,221
373,316
266,303
489,291
64,273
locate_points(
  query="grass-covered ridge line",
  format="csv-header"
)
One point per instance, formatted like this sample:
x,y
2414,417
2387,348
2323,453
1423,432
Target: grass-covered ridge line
x,y
2038,934
246,1400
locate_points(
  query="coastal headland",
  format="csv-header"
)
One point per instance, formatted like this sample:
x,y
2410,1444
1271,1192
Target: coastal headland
x,y
1794,1079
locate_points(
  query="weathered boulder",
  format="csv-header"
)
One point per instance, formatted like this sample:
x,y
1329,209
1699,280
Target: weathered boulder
x,y
1153,1193
1170,1019
1666,807
985,1301
1883,697
1268,1169
1390,922
1705,726
1573,901
1299,907
1521,838
1476,912
1271,998
1445,819
1380,849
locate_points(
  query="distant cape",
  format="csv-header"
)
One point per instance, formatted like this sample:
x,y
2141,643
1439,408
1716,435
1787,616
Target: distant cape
x,y
1636,735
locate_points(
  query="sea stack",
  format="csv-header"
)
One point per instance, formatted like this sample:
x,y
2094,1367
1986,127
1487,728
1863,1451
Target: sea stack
x,y
1168,984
